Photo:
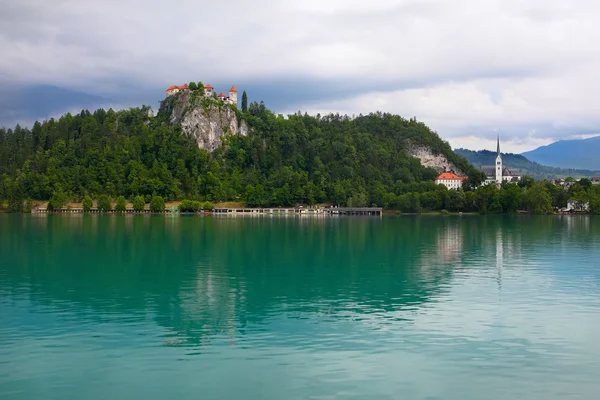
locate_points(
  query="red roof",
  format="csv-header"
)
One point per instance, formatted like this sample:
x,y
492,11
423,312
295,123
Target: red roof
x,y
221,95
208,87
233,89
450,175
184,86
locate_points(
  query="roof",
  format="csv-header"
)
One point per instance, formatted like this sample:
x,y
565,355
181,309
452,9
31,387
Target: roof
x,y
173,87
595,179
450,175
221,95
233,89
490,171
208,87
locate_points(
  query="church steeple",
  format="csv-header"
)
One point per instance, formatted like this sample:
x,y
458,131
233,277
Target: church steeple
x,y
499,168
498,150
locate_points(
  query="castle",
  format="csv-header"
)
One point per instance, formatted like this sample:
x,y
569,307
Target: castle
x,y
208,92
496,174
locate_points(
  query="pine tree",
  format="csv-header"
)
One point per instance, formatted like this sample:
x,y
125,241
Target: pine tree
x,y
244,102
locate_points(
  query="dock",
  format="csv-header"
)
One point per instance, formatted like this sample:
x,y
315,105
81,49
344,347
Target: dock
x,y
323,211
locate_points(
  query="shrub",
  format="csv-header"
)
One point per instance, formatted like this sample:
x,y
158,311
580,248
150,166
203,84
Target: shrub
x,y
121,205
157,204
87,204
104,203
57,201
28,206
138,203
189,206
208,206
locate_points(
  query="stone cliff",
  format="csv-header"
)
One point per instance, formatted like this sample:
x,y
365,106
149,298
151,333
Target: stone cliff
x,y
429,159
207,120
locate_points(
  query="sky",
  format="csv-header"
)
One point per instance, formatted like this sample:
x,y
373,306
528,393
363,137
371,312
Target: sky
x,y
470,69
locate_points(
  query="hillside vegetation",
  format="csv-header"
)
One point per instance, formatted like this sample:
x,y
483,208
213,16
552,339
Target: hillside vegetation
x,y
530,168
282,161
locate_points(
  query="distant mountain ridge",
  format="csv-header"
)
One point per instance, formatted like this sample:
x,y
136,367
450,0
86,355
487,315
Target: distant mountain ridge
x,y
578,154
525,166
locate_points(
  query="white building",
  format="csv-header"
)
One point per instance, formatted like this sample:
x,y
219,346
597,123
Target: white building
x,y
498,173
450,180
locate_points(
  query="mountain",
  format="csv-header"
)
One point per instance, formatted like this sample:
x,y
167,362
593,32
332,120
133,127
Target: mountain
x,y
202,148
530,168
581,154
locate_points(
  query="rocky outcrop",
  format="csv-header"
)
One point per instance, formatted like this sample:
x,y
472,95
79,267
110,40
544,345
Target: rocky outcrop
x,y
429,159
206,120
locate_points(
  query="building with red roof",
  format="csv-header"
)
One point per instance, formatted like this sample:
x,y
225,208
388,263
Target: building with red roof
x,y
450,180
208,91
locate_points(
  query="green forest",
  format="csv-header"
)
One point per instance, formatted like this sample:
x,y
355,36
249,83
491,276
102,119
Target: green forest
x,y
284,161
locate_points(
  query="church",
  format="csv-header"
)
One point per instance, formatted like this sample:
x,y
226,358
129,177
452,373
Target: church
x,y
499,173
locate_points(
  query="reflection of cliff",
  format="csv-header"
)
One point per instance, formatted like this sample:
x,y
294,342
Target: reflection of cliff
x,y
202,277
448,245
207,278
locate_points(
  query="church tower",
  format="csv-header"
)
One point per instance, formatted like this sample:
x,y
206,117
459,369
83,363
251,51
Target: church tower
x,y
498,164
233,95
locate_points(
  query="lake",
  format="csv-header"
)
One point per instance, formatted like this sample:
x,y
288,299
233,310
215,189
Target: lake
x,y
416,307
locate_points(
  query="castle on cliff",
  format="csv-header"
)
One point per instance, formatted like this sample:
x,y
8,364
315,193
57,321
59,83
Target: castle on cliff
x,y
208,92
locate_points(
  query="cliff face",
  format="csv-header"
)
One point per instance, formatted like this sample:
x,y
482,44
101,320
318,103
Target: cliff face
x,y
429,159
204,119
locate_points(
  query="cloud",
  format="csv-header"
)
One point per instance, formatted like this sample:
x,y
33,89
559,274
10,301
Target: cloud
x,y
471,67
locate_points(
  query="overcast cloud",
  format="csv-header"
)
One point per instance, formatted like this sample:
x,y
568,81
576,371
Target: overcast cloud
x,y
470,69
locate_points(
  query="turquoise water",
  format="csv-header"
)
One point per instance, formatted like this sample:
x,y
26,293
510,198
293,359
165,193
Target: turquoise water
x,y
430,307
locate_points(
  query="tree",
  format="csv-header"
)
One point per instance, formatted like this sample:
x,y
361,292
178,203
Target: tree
x,y
104,203
208,206
121,205
139,204
57,201
595,204
157,204
537,199
201,88
192,86
244,101
87,204
456,200
189,206
526,182
510,197
15,195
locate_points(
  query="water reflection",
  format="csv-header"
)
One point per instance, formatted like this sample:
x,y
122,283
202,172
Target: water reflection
x,y
339,297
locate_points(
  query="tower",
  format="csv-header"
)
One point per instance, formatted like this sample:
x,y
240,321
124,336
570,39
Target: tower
x,y
498,164
233,95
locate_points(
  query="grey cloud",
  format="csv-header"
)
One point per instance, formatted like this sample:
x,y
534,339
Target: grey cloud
x,y
515,59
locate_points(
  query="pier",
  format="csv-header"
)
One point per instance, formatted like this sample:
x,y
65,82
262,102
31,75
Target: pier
x,y
373,211
324,211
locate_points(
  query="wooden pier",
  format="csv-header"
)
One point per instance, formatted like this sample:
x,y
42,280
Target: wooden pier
x,y
367,211
372,211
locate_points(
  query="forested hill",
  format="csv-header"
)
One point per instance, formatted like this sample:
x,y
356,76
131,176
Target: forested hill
x,y
282,160
530,168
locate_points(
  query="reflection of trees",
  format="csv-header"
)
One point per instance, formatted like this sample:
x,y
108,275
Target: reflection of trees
x,y
206,277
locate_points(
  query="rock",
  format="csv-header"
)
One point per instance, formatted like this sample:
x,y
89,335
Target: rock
x,y
205,120
429,159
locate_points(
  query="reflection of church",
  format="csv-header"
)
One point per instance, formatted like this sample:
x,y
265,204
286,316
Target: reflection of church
x,y
499,173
